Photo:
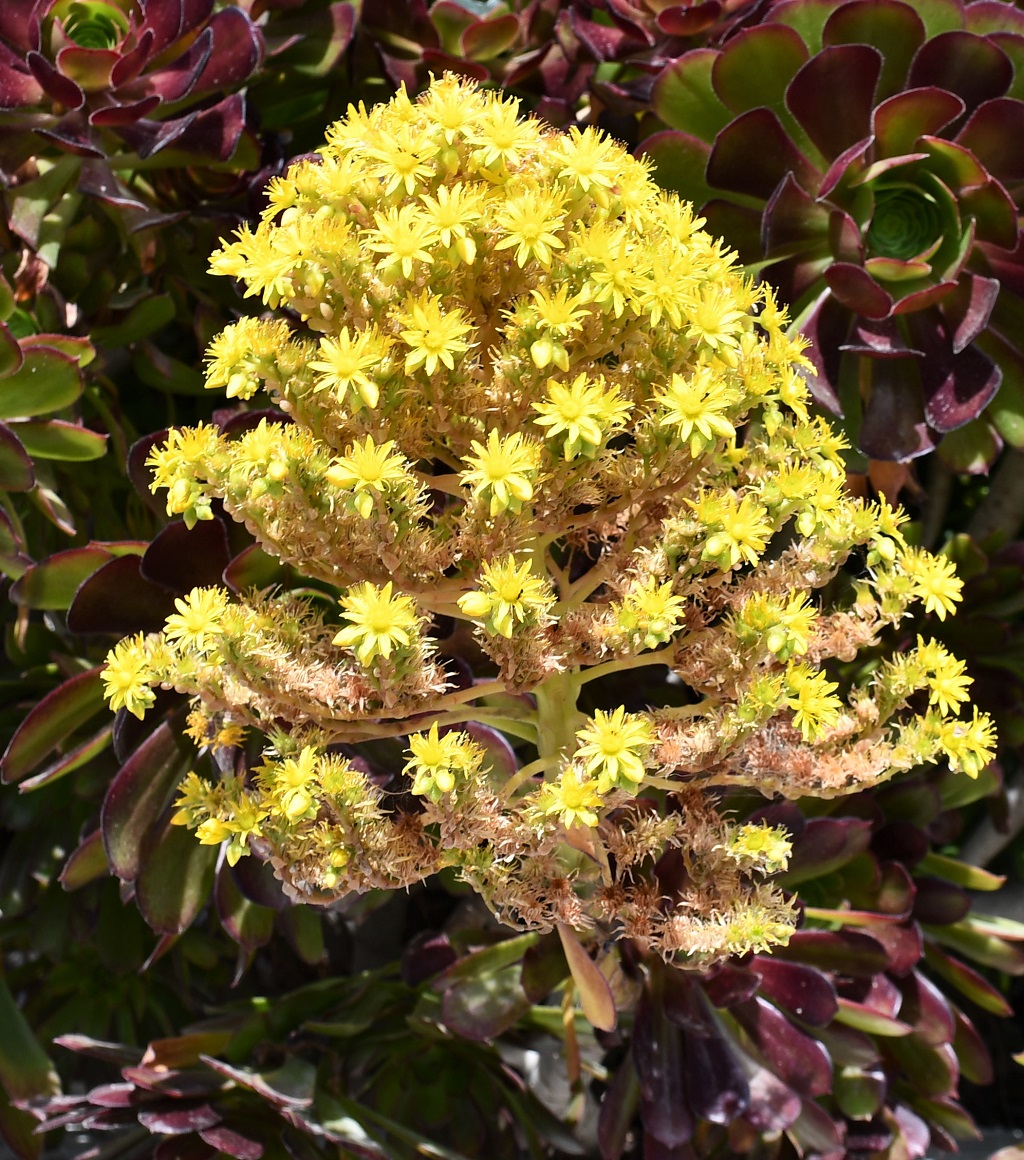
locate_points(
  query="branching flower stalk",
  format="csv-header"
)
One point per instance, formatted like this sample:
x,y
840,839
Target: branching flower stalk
x,y
523,389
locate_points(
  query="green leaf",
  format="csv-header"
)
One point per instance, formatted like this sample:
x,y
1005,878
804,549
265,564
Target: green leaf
x,y
69,762
486,39
685,98
87,862
18,1130
47,380
680,162
144,319
51,722
960,873
58,439
52,584
978,989
867,1019
25,1069
28,204
988,949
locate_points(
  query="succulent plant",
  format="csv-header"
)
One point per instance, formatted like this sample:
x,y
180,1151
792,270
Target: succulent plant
x,y
863,155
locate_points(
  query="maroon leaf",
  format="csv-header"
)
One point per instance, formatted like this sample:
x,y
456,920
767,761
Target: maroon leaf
x,y
959,388
60,88
256,881
926,1009
824,846
138,795
233,1143
51,722
893,28
800,1061
939,902
934,1069
846,951
755,66
177,1120
114,1095
833,94
894,426
180,558
214,133
826,327
430,952
971,66
117,1053
716,1087
544,968
903,944
792,217
753,153
773,1105
618,1110
728,985
975,1061
86,863
993,134
660,1066
118,599
16,472
802,990
236,51
689,19
854,287
900,840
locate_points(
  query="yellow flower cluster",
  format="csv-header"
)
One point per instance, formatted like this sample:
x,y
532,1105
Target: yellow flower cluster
x,y
524,393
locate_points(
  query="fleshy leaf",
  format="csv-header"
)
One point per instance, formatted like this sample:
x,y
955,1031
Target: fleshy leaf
x,y
753,153
755,66
971,66
833,94
86,863
802,990
595,993
800,1061
680,161
895,30
685,99
47,380
51,722
118,599
57,439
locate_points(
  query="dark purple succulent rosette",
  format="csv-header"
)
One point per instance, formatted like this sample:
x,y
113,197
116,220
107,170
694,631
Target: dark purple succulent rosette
x,y
147,73
866,157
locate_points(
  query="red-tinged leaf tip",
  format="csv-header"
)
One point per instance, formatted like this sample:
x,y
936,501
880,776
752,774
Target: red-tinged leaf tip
x,y
594,991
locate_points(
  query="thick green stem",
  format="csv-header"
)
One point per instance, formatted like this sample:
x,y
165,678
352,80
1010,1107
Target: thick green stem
x,y
557,716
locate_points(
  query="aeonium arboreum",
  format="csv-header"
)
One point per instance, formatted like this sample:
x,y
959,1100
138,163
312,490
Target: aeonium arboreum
x,y
865,154
514,401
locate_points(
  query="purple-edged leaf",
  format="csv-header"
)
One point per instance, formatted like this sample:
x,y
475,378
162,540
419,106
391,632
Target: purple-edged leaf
x,y
993,213
950,1118
793,218
968,308
118,599
618,1110
181,1051
53,583
848,167
893,28
824,846
739,223
249,924
826,325
879,993
806,992
689,19
927,295
937,901
800,1061
854,287
486,39
680,161
482,1008
894,426
138,795
116,1053
181,1084
60,88
934,1069
661,1068
596,996
848,1048
16,473
114,1095
927,1010
975,1061
729,985
58,439
86,863
902,841
971,66
544,968
174,879
959,388
993,134
47,380
967,980
74,759
816,1132
232,1143
903,944
833,94
897,269
51,722
176,1120
773,1105
684,96
214,133
180,558
753,153
290,1086
11,355
430,952
847,951
864,1018
755,66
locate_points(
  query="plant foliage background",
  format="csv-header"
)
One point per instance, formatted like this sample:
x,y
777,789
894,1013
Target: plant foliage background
x,y
198,1009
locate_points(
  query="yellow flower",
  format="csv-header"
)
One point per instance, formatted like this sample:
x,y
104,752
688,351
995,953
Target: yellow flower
x,y
757,929
368,469
292,783
613,747
617,267
531,222
650,613
586,412
345,361
739,531
558,315
765,846
439,762
697,409
433,335
196,625
127,676
815,709
379,621
969,745
574,798
716,322
508,593
402,236
499,134
590,160
453,104
935,581
406,157
503,471
947,683
455,209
